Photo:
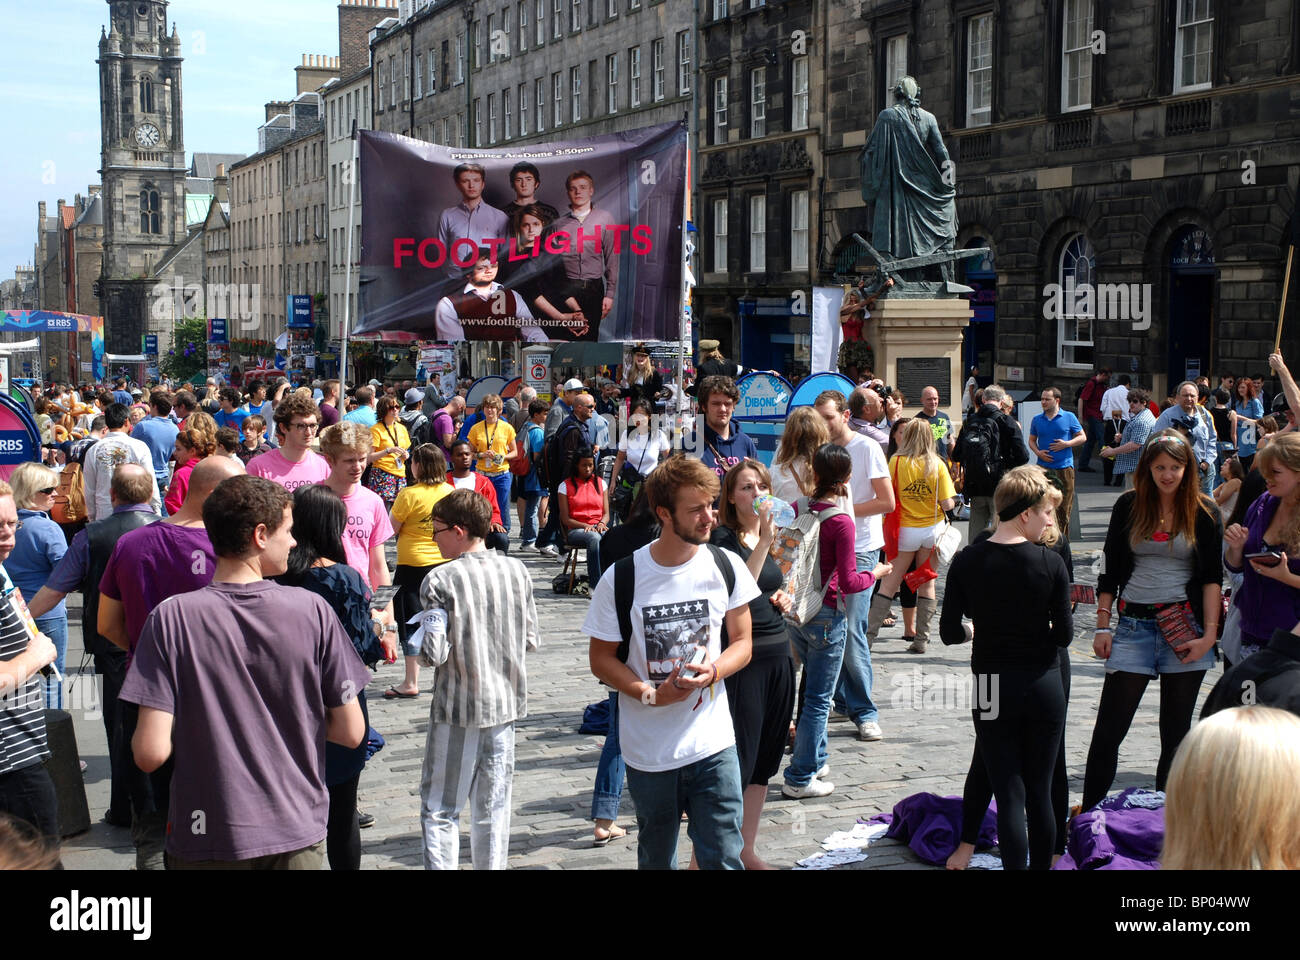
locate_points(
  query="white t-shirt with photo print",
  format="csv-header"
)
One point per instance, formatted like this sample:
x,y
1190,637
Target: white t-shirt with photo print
x,y
672,609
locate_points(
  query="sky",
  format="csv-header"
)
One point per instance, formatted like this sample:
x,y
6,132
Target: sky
x,y
238,54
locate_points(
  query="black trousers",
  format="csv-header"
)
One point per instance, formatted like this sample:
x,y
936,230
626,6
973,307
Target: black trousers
x,y
343,832
979,789
589,294
1020,736
28,794
112,667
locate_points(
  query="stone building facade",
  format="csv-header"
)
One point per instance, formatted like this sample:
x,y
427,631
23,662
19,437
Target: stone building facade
x,y
278,219
1148,149
761,134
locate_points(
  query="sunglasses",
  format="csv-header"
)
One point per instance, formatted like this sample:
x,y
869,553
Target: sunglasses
x,y
47,490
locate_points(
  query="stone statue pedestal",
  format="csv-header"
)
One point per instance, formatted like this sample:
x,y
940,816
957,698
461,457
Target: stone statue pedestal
x,y
917,343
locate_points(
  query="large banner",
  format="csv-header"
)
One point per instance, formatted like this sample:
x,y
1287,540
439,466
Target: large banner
x,y
578,240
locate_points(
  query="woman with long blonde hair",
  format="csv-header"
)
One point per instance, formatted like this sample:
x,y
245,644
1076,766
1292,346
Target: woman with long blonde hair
x,y
925,492
792,476
1233,799
1018,636
1163,557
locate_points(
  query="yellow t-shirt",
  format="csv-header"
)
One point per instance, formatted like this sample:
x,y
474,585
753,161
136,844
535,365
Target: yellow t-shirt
x,y
916,493
499,440
413,509
382,439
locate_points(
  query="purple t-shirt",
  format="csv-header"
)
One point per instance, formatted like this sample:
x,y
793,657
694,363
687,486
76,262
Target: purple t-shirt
x,y
248,700
329,415
368,524
442,425
312,468
154,562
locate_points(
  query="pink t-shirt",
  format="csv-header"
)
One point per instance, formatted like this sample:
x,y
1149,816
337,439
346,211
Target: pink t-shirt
x,y
312,468
180,485
368,524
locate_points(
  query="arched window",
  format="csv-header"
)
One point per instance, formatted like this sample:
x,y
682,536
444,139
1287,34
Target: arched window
x,y
150,216
146,95
1075,274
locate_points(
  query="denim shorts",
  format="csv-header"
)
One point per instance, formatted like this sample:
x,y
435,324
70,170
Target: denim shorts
x,y
1138,647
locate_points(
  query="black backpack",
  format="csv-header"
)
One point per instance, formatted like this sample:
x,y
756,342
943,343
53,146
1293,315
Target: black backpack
x,y
625,588
551,467
981,455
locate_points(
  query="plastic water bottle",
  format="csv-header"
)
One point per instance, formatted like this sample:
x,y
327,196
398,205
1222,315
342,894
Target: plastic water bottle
x,y
782,512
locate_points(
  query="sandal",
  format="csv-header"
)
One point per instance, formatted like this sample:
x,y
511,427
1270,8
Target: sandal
x,y
615,832
392,693
888,622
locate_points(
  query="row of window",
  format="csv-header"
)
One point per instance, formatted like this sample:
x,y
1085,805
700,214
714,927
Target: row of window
x,y
1080,43
350,106
757,96
304,225
756,226
301,164
386,73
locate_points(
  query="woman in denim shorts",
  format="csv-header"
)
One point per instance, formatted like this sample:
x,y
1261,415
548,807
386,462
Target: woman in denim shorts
x,y
1163,548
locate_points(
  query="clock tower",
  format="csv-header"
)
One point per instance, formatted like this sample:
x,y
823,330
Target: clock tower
x,y
142,162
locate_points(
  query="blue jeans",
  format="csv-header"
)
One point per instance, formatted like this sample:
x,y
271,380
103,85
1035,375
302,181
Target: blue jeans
x,y
853,691
820,644
608,792
589,541
501,481
709,791
529,533
1092,428
56,628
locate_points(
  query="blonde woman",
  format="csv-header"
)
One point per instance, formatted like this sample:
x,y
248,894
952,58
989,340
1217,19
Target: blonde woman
x,y
641,381
1020,699
805,432
39,545
925,491
1233,798
493,442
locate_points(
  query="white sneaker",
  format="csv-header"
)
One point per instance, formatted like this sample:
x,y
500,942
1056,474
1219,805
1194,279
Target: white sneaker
x,y
527,547
815,788
824,772
870,730
549,551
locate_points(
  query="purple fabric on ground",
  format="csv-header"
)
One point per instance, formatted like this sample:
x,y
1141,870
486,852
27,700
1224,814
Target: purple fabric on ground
x,y
931,825
1111,836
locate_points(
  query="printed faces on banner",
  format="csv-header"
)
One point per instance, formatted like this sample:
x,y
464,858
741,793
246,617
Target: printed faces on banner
x,y
580,241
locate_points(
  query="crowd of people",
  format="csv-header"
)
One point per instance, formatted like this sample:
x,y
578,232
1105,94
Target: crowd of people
x,y
724,637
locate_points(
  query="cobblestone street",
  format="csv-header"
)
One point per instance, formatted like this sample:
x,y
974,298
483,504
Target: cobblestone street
x,y
924,711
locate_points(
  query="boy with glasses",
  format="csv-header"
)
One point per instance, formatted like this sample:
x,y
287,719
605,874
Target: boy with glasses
x,y
293,465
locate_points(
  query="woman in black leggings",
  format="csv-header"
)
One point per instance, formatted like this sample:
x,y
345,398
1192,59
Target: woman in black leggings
x,y
979,789
1164,548
1019,712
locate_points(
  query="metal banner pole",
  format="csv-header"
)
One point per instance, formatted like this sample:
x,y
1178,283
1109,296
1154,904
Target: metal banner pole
x,y
347,270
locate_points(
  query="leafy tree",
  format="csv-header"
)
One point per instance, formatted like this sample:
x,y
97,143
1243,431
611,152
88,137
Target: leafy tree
x,y
189,352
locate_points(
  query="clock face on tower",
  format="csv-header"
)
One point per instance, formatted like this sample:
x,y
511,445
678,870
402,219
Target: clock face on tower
x,y
147,135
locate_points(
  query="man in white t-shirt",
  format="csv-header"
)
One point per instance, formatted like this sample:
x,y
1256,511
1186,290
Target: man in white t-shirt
x,y
675,726
117,448
873,497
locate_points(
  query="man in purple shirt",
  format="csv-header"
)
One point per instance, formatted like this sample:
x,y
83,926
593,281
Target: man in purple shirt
x,y
865,411
148,566
245,705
